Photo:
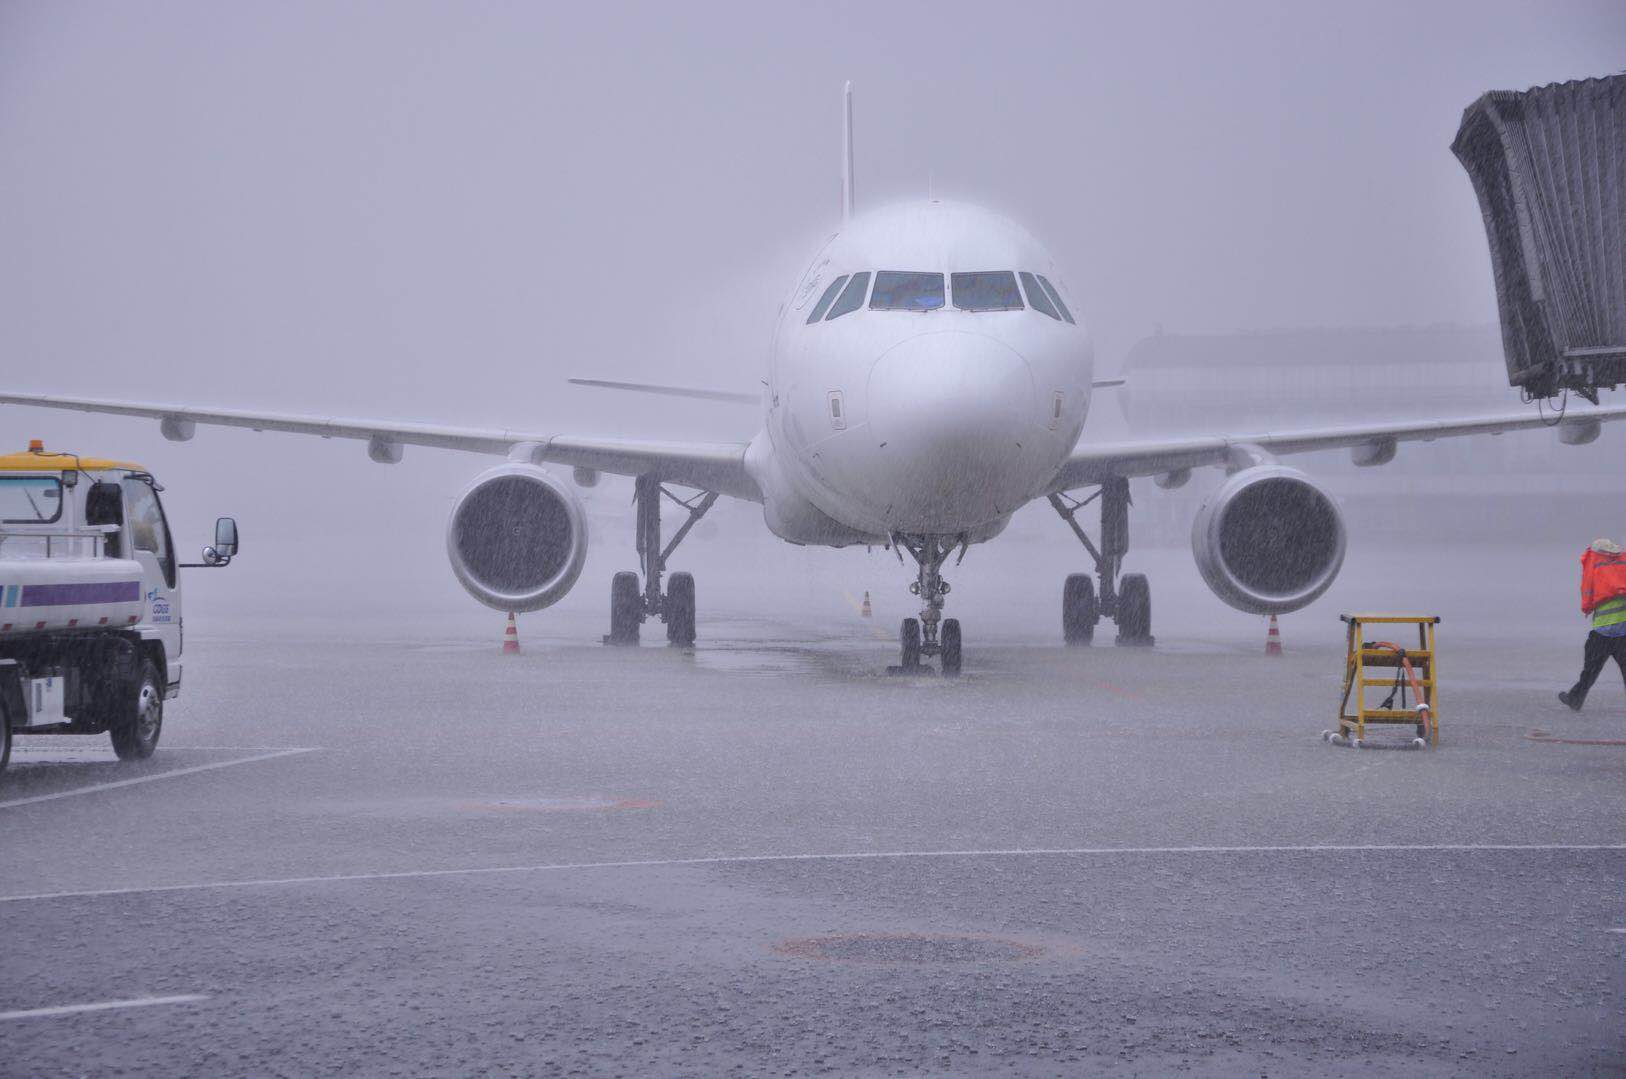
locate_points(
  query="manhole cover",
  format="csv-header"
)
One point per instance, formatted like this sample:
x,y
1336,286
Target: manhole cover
x,y
907,948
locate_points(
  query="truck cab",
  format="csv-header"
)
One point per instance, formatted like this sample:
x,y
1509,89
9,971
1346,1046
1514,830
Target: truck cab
x,y
91,631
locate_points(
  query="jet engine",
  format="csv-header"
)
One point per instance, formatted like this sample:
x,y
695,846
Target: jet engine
x,y
1269,541
517,538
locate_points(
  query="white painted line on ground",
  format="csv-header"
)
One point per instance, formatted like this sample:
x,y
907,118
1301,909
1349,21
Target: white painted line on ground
x,y
103,1006
857,856
43,743
1623,930
171,774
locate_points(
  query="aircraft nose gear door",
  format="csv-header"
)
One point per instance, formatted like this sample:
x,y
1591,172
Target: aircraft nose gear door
x,y
630,606
1126,598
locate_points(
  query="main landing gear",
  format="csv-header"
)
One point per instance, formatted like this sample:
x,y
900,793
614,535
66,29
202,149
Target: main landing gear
x,y
630,605
1126,599
931,634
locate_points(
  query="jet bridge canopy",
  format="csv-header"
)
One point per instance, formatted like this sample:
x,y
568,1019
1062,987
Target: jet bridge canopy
x,y
1549,167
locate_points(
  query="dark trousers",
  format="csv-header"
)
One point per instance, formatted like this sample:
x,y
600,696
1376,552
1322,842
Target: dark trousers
x,y
1599,649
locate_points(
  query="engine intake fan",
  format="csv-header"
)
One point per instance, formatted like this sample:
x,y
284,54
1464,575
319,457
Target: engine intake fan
x,y
517,538
1269,541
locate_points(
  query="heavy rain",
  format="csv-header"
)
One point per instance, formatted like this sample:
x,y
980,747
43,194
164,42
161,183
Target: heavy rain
x,y
1064,561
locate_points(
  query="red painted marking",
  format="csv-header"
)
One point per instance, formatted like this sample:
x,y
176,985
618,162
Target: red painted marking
x,y
39,625
133,617
72,622
1548,737
103,621
5,628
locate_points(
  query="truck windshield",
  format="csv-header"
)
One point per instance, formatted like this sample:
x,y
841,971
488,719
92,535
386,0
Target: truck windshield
x,y
30,500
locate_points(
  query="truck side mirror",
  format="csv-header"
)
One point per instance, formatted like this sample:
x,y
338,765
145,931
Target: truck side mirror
x,y
226,537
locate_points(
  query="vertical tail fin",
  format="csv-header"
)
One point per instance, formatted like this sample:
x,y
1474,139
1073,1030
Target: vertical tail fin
x,y
847,152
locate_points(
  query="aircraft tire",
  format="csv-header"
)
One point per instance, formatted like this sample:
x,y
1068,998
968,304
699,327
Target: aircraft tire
x,y
950,655
1079,610
680,609
909,635
1134,610
626,608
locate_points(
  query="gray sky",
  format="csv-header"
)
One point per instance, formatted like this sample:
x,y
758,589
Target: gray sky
x,y
439,212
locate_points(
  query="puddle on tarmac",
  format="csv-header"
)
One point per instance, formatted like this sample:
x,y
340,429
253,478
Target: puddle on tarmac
x,y
466,806
555,805
908,948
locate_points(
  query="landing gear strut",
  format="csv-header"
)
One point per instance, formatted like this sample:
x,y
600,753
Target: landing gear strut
x,y
931,634
630,605
1125,598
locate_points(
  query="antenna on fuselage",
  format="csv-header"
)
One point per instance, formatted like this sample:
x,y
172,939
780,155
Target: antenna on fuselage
x,y
847,152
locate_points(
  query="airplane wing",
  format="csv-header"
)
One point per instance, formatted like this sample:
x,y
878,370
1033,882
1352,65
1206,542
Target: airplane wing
x,y
670,391
1095,463
711,466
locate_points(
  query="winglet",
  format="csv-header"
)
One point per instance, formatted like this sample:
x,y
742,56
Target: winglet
x,y
847,152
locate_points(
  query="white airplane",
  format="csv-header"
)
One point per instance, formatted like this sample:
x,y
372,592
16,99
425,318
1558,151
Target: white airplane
x,y
929,376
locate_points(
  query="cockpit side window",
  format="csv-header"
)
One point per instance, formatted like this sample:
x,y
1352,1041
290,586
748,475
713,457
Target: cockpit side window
x,y
824,301
852,297
1037,299
1055,297
898,290
990,290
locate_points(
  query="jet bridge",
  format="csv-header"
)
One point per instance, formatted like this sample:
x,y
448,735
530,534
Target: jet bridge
x,y
1549,167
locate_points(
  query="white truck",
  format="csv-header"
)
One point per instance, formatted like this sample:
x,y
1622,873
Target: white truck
x,y
90,600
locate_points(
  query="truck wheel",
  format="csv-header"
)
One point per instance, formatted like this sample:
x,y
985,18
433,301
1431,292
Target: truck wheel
x,y
140,720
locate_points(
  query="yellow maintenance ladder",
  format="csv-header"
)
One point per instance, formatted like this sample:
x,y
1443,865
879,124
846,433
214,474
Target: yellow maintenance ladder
x,y
1362,656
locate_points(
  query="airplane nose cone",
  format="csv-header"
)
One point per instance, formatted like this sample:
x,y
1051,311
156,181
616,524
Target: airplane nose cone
x,y
953,415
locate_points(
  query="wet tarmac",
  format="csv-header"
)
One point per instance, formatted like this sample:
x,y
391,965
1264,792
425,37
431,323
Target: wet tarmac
x,y
385,854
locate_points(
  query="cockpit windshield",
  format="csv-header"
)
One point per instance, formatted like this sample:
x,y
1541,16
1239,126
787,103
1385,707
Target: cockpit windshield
x,y
920,291
898,290
991,290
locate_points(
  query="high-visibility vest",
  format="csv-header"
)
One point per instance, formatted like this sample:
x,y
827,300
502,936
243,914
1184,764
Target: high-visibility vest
x,y
1611,612
1603,580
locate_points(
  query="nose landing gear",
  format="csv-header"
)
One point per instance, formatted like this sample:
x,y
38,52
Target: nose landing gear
x,y
630,606
1126,599
931,634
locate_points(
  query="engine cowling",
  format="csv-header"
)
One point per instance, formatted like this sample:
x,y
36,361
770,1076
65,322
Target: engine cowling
x,y
517,538
1269,541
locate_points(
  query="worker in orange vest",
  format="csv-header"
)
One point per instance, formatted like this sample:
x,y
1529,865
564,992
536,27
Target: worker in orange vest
x,y
1603,596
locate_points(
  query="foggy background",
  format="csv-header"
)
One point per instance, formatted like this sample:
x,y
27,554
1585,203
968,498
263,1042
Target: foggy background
x,y
439,213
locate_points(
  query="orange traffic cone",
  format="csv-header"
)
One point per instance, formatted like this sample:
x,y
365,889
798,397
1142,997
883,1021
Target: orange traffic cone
x,y
865,611
510,637
1273,639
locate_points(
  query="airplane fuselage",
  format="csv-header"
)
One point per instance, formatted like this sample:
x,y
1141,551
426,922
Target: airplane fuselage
x,y
928,377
